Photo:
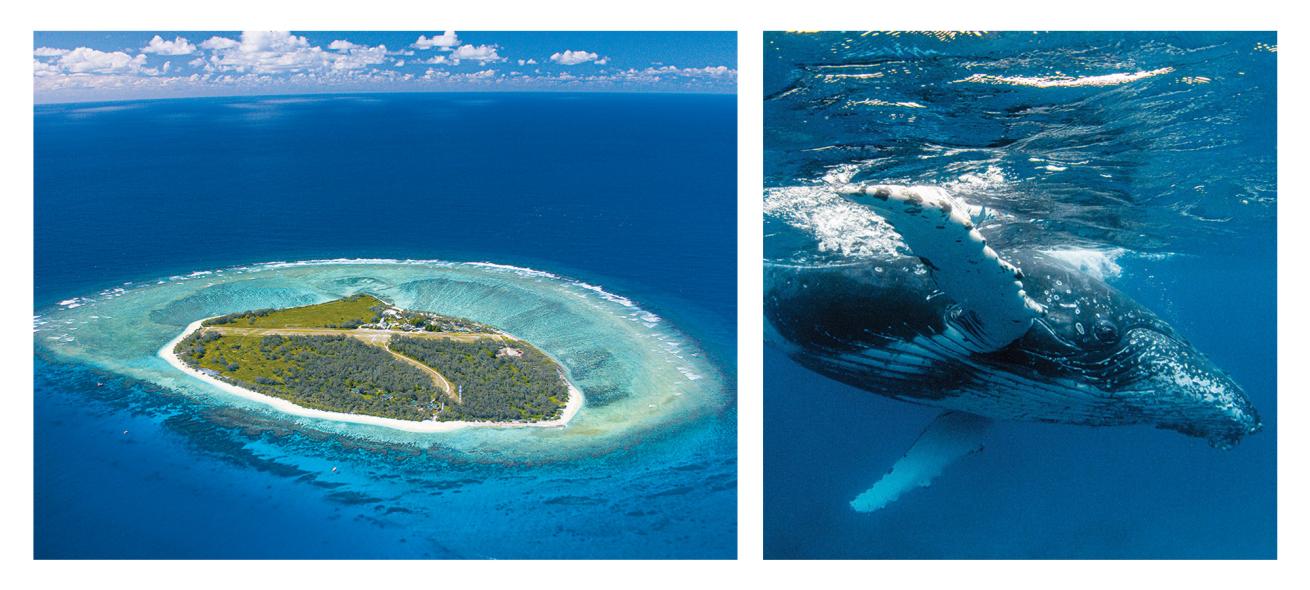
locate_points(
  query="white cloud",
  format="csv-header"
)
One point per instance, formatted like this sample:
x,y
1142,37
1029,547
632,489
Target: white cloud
x,y
266,61
266,52
85,60
446,41
217,43
354,56
572,58
98,83
271,52
483,54
672,71
711,71
178,46
665,76
84,67
42,69
435,75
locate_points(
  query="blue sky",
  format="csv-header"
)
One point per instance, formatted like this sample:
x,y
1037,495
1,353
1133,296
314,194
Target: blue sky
x,y
95,66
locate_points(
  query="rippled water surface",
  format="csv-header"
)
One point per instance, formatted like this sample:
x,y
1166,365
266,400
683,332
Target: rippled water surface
x,y
1144,158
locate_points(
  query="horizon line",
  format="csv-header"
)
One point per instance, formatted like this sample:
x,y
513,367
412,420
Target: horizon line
x,y
38,102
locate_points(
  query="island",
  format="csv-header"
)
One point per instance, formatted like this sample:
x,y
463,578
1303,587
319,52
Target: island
x,y
362,359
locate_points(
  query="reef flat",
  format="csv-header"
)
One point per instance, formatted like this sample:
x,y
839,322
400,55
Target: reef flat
x,y
639,375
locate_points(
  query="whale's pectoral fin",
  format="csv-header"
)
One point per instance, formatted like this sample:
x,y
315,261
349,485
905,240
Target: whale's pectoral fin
x,y
951,436
994,309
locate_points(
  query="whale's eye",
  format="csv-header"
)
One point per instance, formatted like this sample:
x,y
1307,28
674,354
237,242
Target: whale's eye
x,y
1105,332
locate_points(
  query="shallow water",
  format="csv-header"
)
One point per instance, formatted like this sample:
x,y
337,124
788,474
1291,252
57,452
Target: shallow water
x,y
134,459
1144,158
638,375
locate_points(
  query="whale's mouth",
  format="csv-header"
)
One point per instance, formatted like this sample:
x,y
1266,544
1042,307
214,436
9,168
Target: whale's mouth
x,y
1219,438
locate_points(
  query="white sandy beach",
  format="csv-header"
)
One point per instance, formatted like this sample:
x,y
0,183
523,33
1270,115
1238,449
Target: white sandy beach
x,y
571,408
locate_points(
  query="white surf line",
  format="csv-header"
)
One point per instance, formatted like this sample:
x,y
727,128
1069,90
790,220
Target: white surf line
x,y
571,408
1062,81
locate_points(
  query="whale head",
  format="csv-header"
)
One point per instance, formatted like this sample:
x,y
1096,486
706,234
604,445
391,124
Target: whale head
x,y
1205,401
1099,337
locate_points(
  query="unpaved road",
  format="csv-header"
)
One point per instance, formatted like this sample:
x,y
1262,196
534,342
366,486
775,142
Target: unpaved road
x,y
379,338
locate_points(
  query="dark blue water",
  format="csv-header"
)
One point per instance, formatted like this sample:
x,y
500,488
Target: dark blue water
x,y
1172,176
631,192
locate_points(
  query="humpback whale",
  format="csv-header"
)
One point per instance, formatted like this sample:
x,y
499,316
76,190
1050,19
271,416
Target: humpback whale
x,y
982,335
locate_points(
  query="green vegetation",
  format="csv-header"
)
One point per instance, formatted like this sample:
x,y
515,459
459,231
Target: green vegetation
x,y
359,355
350,312
334,373
356,311
494,381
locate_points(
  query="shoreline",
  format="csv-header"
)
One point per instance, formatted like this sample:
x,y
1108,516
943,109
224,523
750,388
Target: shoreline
x,y
570,410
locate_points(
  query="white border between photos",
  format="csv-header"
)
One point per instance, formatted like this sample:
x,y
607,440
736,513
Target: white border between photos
x,y
750,19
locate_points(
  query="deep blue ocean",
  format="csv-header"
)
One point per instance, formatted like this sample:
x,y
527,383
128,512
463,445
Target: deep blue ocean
x,y
633,193
1161,177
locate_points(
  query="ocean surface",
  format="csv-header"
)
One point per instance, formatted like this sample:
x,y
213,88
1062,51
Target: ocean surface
x,y
1146,158
598,226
